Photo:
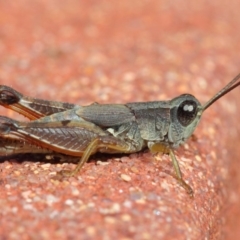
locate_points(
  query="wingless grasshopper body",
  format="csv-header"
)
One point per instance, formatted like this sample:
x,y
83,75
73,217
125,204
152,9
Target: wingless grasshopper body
x,y
81,131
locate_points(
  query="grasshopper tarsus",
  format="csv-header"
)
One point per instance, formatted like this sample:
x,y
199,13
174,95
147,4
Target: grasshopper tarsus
x,y
187,187
65,173
80,131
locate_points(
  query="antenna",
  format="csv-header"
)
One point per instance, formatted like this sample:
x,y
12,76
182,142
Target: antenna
x,y
230,86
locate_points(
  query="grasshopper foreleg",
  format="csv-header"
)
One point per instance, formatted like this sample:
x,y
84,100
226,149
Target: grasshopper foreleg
x,y
179,174
158,147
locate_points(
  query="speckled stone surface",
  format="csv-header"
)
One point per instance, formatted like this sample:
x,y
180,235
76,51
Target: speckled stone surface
x,y
117,52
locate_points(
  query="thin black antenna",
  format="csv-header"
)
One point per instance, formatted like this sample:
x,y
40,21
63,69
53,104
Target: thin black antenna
x,y
230,86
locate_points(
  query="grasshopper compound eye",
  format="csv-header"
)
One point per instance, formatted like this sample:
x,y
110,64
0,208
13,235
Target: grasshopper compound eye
x,y
187,112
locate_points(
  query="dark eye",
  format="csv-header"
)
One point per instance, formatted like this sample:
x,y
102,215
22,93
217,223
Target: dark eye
x,y
187,112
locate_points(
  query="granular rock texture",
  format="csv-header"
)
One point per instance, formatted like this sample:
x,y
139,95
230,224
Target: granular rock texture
x,y
118,52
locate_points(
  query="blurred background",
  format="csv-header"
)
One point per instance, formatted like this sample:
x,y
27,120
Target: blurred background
x,y
122,51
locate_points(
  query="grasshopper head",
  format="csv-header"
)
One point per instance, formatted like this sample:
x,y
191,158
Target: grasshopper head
x,y
186,112
185,115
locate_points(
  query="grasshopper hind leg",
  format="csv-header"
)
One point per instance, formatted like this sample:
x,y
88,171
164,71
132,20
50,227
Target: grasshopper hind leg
x,y
91,148
94,146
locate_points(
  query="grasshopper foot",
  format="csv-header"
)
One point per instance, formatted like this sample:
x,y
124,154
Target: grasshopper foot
x,y
66,173
186,187
179,174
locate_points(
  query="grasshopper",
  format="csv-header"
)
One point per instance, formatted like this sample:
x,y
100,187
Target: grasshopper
x,y
81,131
